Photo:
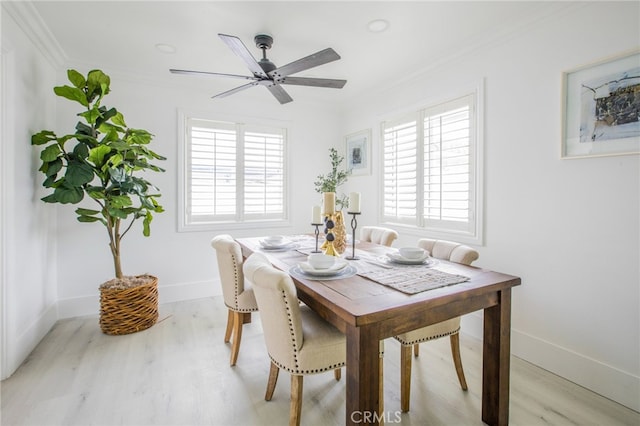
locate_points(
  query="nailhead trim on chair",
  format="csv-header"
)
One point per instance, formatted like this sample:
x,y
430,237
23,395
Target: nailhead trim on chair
x,y
235,289
293,340
318,370
244,311
235,279
413,342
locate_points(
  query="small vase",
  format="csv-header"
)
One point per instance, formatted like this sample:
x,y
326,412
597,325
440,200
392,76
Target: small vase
x,y
339,231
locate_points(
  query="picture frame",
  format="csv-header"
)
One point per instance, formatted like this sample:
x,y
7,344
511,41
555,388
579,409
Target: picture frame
x,y
359,152
599,109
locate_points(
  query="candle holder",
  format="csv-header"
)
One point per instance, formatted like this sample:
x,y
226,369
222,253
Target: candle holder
x,y
317,232
354,225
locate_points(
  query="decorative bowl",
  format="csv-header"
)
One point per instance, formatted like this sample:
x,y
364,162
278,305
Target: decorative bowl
x,y
411,252
321,260
274,240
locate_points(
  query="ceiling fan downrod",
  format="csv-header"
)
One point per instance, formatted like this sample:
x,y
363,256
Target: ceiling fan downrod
x,y
264,42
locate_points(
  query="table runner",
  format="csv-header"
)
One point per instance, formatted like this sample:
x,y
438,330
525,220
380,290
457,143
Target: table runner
x,y
420,279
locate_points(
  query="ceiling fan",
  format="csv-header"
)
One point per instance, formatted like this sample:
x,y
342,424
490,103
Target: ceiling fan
x,y
265,73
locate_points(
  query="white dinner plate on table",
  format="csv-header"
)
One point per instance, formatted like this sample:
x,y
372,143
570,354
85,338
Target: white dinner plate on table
x,y
334,269
346,272
398,258
284,245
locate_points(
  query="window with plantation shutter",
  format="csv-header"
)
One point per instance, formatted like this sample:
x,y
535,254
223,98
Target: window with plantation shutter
x,y
431,169
234,173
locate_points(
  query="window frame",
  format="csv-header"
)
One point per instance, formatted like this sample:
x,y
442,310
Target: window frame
x,y
185,224
418,225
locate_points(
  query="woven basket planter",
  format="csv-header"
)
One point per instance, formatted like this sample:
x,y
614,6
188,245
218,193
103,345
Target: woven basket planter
x,y
128,309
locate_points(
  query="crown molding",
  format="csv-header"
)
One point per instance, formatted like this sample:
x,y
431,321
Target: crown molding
x,y
30,21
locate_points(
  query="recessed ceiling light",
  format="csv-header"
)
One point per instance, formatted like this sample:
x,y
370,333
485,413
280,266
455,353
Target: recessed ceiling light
x,y
378,25
165,48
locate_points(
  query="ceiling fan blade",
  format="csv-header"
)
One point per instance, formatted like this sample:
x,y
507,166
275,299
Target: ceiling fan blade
x,y
207,73
315,82
318,58
235,90
281,95
238,47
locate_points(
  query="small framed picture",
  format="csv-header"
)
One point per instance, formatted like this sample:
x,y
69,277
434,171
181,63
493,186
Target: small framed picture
x,y
359,152
601,108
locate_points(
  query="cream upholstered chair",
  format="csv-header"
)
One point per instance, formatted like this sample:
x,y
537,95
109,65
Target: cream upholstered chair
x,y
238,295
453,252
297,339
378,235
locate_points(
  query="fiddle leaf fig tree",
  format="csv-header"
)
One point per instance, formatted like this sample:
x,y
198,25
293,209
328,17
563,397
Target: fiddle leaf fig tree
x,y
103,160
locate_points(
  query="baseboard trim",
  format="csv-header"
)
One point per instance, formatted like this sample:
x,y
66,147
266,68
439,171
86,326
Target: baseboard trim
x,y
90,305
610,382
28,340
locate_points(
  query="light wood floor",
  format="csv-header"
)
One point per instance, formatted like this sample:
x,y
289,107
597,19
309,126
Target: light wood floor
x,y
177,373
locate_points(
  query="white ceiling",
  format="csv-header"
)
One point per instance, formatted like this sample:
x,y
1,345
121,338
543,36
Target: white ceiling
x,y
120,36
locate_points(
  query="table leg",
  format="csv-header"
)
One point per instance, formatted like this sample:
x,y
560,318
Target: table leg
x,y
495,361
362,376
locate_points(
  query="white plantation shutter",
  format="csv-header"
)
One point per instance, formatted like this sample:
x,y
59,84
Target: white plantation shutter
x,y
234,172
400,172
429,168
448,166
211,170
263,174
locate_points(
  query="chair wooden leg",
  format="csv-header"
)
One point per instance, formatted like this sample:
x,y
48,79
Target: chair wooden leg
x,y
227,333
337,373
296,400
457,360
416,349
237,336
405,377
273,379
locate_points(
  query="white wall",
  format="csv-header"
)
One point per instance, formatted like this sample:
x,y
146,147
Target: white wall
x,y
568,228
28,276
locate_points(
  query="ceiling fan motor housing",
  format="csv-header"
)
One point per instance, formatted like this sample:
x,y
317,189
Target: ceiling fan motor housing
x,y
263,41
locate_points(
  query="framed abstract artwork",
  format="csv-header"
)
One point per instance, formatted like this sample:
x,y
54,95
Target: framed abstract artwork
x,y
601,108
359,152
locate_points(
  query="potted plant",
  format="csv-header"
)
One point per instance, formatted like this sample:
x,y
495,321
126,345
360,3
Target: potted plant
x,y
329,183
332,180
103,161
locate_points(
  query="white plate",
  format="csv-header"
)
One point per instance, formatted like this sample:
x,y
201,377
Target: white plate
x,y
336,268
347,272
397,258
265,245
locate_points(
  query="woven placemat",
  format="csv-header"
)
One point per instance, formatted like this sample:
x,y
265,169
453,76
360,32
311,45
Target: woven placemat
x,y
417,281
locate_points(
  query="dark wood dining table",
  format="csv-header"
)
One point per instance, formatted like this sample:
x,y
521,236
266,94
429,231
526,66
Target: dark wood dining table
x,y
367,312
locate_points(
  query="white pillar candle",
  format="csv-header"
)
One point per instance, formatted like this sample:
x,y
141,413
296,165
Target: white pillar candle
x,y
354,202
329,200
316,216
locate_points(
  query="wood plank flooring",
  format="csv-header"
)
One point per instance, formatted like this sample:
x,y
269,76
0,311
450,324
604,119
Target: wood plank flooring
x,y
177,373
